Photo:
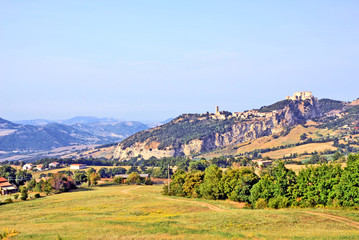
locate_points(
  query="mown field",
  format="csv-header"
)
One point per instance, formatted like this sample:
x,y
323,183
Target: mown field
x,y
141,212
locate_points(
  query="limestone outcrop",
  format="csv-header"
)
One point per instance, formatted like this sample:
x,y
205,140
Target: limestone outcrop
x,y
194,134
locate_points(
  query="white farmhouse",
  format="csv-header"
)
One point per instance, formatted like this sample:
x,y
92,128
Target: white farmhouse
x,y
27,166
78,166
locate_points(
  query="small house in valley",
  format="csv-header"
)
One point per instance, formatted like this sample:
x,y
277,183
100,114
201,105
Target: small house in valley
x,y
78,166
6,187
27,166
54,165
262,163
39,167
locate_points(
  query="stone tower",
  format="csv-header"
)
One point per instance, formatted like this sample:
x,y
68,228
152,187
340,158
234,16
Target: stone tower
x,y
217,110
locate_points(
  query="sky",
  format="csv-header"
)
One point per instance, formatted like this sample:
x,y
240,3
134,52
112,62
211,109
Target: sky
x,y
153,60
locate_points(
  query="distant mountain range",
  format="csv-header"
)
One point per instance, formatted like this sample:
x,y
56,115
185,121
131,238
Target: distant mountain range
x,y
27,136
74,120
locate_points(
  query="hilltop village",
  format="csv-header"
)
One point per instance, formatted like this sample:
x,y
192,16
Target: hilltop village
x,y
255,113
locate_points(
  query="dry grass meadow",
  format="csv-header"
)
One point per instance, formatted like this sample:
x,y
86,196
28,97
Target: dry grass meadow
x,y
141,212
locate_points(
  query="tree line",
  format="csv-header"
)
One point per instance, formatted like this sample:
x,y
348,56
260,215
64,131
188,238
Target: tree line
x,y
325,185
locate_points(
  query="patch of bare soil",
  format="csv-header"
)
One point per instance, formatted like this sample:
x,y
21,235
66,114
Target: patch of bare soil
x,y
210,206
336,218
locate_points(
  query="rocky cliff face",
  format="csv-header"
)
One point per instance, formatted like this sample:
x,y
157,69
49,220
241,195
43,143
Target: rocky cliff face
x,y
214,134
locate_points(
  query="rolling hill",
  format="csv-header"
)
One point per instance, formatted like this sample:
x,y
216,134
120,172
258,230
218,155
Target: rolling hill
x,y
19,139
224,133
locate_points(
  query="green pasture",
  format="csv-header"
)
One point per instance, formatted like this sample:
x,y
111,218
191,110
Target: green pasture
x,y
141,212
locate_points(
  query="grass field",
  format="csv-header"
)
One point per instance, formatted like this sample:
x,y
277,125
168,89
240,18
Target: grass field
x,y
141,212
269,142
310,147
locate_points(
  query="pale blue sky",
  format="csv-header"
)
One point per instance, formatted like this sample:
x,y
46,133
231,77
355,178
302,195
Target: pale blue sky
x,y
151,60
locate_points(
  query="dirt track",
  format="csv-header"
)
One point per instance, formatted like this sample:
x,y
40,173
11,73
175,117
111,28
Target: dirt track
x,y
126,191
336,218
210,206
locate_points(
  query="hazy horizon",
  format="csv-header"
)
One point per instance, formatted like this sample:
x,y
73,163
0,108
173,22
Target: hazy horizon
x,y
150,61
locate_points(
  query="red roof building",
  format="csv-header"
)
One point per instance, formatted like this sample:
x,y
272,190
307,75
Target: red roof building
x,y
3,179
6,187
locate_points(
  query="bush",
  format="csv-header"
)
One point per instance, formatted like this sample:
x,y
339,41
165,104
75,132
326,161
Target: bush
x,y
16,196
8,200
260,203
118,180
148,182
24,194
37,195
278,202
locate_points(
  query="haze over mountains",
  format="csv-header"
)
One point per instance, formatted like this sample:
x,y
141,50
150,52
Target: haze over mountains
x,y
188,134
29,136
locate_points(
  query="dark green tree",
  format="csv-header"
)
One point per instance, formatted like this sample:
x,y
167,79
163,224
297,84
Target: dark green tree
x,y
347,191
210,187
236,184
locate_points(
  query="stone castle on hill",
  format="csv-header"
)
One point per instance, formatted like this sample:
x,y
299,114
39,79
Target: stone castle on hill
x,y
300,96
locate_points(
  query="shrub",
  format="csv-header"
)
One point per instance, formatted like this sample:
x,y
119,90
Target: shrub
x,y
8,200
118,180
260,203
148,182
24,194
278,202
37,195
16,196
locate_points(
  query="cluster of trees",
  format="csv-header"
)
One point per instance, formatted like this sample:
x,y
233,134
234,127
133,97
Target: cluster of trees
x,y
57,183
79,177
158,168
278,187
349,119
134,178
17,177
275,106
327,105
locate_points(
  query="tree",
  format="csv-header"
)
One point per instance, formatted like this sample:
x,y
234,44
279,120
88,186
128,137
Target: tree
x,y
89,172
210,188
220,162
303,136
118,170
285,180
162,172
176,185
347,191
198,165
315,185
118,180
337,155
236,184
94,177
278,183
132,169
105,173
24,194
134,178
192,183
80,177
21,177
264,189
